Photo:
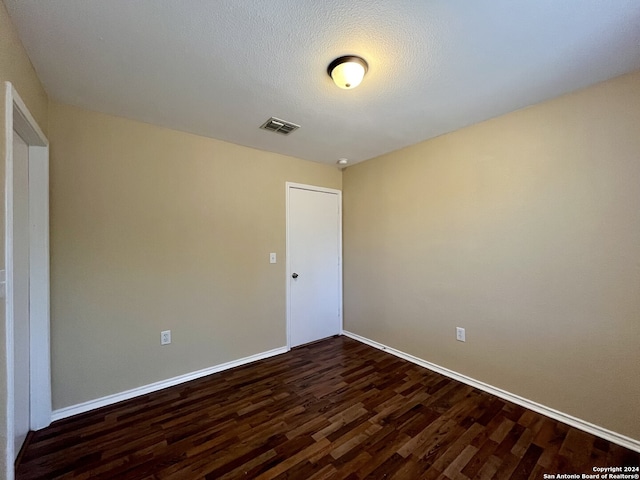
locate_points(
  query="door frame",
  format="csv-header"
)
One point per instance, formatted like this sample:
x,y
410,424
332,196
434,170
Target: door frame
x,y
313,188
18,118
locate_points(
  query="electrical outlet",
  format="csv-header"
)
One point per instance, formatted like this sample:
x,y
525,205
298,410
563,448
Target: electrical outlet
x,y
165,337
460,335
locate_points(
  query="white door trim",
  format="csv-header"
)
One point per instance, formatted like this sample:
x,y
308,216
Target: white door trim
x,y
18,118
288,187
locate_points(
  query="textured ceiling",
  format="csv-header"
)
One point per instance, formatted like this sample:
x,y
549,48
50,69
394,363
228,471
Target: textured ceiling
x,y
221,68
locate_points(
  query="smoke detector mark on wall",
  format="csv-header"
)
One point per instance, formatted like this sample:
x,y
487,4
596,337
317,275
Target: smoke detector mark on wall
x,y
279,126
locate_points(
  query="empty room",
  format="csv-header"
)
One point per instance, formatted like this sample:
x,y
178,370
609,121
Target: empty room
x,y
320,240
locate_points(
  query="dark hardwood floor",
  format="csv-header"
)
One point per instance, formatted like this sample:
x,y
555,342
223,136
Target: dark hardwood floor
x,y
330,410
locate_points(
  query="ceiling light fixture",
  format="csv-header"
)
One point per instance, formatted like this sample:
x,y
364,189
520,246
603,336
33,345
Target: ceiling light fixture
x,y
342,161
347,72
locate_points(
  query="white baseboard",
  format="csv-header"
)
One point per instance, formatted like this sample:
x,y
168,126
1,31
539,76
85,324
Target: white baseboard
x,y
614,437
153,387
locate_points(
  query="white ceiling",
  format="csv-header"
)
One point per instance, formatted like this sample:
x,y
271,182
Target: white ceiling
x,y
221,68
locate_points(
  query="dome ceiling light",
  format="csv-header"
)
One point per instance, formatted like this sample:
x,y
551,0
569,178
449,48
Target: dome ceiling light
x,y
347,72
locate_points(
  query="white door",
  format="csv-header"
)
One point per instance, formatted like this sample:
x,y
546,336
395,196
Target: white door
x,y
314,235
21,347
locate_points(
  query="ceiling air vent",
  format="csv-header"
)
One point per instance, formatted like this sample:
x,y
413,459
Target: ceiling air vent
x,y
279,126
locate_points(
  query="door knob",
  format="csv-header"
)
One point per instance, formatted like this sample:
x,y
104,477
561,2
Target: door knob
x,y
295,275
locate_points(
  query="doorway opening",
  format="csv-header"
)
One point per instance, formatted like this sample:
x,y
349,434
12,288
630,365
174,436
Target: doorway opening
x,y
25,280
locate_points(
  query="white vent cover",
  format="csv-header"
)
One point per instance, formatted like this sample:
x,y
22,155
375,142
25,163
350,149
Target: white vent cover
x,y
279,126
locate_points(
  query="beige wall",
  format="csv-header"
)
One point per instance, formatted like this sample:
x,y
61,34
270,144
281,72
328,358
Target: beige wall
x,y
153,229
16,68
525,230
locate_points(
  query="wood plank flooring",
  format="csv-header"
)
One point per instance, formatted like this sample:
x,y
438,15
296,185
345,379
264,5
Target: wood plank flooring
x,y
336,409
